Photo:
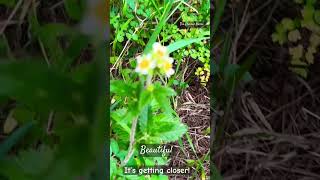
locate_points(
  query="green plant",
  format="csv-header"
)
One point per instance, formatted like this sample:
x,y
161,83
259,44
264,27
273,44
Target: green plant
x,y
143,105
143,99
226,78
288,31
132,22
57,111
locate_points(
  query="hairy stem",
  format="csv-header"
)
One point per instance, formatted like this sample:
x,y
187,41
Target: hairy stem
x,y
132,141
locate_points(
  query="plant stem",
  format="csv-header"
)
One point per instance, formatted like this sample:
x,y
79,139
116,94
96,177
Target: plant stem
x,y
132,141
133,128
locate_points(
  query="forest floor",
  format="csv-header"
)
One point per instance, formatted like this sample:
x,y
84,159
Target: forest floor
x,y
275,119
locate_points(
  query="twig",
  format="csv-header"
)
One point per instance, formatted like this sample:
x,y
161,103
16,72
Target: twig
x,y
11,16
243,23
286,106
50,121
259,31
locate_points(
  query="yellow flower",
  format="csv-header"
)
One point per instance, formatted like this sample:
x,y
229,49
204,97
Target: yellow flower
x,y
167,66
145,64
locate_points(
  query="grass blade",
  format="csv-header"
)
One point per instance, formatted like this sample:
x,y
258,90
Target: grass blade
x,y
182,43
159,27
218,14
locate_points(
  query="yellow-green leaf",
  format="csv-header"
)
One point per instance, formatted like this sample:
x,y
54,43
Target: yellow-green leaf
x,y
300,71
296,52
294,36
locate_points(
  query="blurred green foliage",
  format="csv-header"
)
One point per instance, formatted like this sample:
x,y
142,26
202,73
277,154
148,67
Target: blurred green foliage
x,y
57,104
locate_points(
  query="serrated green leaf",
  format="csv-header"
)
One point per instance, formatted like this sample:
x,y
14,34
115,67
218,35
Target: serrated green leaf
x,y
145,98
165,129
121,88
35,162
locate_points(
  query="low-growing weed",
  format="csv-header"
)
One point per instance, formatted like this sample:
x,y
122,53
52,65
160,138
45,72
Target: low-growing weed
x,y
290,32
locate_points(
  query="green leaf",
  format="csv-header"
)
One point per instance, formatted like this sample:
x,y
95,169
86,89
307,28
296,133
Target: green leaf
x,y
245,67
296,52
309,57
49,36
220,6
114,146
144,117
131,4
44,89
73,51
191,144
74,8
35,162
113,168
317,16
145,98
314,40
311,2
281,38
122,88
308,13
9,3
288,24
159,27
182,43
165,129
235,74
162,95
122,117
294,36
215,173
300,71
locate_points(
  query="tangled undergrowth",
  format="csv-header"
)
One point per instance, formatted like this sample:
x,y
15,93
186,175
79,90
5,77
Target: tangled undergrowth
x,y
271,123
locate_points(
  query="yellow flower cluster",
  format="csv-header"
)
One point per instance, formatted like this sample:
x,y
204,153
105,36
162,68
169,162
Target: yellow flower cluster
x,y
158,58
203,74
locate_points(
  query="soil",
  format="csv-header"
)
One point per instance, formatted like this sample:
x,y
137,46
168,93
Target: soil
x,y
194,111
